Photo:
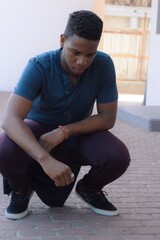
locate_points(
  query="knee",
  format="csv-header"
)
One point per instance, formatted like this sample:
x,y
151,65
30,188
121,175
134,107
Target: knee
x,y
5,152
117,158
51,201
124,155
6,145
121,156
53,204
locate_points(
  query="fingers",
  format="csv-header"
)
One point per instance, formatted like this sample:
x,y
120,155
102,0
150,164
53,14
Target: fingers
x,y
51,139
59,172
48,148
65,180
45,144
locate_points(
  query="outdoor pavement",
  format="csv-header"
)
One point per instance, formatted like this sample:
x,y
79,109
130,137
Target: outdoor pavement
x,y
136,195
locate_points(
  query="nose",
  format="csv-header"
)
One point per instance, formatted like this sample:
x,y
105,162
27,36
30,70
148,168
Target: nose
x,y
82,61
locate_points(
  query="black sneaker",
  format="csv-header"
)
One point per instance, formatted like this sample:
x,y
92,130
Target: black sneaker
x,y
97,201
18,207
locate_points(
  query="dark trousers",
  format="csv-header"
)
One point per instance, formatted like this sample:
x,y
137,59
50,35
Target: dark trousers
x,y
105,153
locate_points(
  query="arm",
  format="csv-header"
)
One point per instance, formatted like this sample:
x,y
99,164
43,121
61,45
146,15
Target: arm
x,y
103,120
16,110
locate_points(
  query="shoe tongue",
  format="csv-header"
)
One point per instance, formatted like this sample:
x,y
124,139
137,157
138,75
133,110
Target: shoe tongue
x,y
17,193
98,193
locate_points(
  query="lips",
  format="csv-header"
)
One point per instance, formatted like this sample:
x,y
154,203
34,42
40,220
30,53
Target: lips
x,y
79,70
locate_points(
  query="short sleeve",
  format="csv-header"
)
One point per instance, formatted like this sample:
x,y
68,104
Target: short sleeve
x,y
108,87
31,80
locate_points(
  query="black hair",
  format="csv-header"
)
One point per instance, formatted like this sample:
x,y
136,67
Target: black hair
x,y
85,24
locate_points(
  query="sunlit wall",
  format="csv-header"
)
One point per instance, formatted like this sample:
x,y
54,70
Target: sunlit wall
x,y
28,28
153,82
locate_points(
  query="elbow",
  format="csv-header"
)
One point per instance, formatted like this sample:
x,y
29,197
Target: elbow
x,y
112,121
6,123
4,127
109,124
108,120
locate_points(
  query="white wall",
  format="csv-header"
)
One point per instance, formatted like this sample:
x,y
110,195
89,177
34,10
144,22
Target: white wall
x,y
153,82
29,27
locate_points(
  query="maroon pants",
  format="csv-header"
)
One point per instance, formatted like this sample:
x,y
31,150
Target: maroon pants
x,y
105,153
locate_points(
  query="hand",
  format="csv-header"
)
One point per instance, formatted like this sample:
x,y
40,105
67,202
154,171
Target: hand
x,y
59,172
51,139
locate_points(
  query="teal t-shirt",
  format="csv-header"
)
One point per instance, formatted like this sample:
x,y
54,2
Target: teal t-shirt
x,y
56,100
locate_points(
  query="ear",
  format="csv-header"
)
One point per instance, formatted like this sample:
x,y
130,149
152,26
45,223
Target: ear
x,y
62,40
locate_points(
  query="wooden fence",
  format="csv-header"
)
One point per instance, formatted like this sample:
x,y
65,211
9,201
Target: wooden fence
x,y
129,51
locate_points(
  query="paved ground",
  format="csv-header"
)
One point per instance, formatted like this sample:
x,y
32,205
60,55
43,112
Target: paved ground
x,y
136,194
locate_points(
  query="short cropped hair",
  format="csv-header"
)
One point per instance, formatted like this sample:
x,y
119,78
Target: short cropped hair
x,y
85,24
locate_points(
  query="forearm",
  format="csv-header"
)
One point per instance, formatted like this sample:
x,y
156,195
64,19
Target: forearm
x,y
103,120
91,124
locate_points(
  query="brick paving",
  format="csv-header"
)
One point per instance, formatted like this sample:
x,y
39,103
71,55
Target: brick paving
x,y
136,194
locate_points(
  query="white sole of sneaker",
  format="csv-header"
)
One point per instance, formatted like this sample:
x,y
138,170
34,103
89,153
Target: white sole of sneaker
x,y
99,211
16,216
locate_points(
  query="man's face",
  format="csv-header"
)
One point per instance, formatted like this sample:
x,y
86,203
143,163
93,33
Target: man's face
x,y
77,54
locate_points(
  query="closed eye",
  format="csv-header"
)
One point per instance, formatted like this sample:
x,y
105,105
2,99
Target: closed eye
x,y
91,55
75,52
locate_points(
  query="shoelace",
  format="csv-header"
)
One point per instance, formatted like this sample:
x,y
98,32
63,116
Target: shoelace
x,y
102,193
21,195
99,195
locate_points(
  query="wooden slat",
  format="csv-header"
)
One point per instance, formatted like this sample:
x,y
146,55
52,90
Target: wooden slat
x,y
129,51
